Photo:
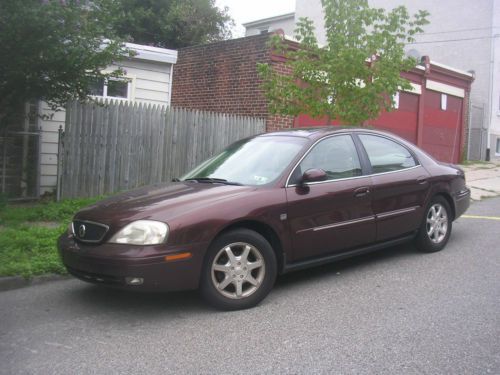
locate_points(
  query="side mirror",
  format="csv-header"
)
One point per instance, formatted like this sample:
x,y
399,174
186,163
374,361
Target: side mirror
x,y
313,175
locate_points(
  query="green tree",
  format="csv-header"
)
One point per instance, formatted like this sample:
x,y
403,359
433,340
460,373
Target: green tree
x,y
354,76
172,23
53,50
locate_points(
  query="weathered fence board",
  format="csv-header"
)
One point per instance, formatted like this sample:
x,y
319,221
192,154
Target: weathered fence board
x,y
115,146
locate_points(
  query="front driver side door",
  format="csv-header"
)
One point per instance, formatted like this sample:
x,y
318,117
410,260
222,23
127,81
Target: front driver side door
x,y
333,215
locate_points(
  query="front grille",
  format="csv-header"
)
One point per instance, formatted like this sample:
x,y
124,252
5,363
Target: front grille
x,y
89,231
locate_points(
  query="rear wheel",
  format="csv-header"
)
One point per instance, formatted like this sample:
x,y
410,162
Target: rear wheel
x,y
239,270
436,227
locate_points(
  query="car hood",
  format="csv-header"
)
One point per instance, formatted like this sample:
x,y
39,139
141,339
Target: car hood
x,y
160,202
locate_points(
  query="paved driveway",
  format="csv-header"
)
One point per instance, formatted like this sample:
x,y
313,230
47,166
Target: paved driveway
x,y
393,312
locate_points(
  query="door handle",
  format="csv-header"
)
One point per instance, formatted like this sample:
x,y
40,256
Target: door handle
x,y
361,192
422,180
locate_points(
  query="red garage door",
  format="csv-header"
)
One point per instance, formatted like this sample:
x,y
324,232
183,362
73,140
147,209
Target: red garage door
x,y
442,126
402,121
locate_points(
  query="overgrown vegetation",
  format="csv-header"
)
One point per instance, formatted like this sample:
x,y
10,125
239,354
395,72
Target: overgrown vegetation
x,y
54,50
354,76
172,23
28,235
57,50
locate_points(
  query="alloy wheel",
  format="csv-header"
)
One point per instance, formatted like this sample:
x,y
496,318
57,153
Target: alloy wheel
x,y
437,223
238,270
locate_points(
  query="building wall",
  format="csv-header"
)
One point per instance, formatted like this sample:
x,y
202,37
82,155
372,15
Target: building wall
x,y
420,117
459,34
222,77
495,94
287,25
150,82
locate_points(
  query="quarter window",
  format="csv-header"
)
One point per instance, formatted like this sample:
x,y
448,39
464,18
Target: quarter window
x,y
386,155
337,156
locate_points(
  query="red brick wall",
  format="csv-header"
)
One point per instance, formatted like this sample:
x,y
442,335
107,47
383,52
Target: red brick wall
x,y
277,122
222,77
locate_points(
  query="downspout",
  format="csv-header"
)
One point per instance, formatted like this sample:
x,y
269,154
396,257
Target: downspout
x,y
421,101
491,106
469,123
170,85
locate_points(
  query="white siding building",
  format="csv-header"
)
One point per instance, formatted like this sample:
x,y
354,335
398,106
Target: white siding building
x,y
148,80
286,22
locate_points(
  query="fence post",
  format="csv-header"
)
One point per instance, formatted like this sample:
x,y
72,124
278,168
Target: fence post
x,y
4,161
59,161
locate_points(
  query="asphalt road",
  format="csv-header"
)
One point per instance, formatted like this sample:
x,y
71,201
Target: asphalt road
x,y
393,312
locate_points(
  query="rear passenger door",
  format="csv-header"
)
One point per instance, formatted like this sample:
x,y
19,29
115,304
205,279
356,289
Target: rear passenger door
x,y
399,186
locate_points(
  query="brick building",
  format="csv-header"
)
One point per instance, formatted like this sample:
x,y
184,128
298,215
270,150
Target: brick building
x,y
223,77
462,33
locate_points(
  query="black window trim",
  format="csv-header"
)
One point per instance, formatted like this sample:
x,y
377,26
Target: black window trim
x,y
367,158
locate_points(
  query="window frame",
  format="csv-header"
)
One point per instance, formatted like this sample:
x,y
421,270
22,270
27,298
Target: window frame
x,y
106,86
129,79
362,161
367,158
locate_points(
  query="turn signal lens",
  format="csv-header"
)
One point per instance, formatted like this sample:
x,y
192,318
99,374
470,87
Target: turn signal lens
x,y
179,256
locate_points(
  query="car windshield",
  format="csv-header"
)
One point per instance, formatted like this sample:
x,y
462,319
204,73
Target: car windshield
x,y
254,161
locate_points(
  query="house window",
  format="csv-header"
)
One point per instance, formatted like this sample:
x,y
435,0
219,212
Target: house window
x,y
117,89
110,88
264,30
497,151
444,101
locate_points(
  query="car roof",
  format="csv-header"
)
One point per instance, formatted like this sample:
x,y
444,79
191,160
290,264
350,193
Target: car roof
x,y
320,131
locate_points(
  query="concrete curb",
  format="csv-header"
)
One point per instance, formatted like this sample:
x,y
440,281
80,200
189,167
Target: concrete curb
x,y
16,282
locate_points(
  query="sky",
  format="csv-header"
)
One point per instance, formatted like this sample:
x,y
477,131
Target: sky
x,y
251,10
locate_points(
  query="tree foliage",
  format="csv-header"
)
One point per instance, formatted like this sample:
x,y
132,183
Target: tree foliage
x,y
355,74
53,50
172,23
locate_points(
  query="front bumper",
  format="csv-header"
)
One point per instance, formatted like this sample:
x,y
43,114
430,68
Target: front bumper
x,y
462,202
110,264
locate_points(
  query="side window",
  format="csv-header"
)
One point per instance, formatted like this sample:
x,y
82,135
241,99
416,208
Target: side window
x,y
337,156
386,155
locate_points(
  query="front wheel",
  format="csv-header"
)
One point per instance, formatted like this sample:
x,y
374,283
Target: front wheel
x,y
436,227
239,270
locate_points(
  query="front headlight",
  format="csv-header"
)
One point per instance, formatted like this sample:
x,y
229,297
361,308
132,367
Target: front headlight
x,y
142,232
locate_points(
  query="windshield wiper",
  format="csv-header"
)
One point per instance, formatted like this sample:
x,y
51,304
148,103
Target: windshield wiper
x,y
213,180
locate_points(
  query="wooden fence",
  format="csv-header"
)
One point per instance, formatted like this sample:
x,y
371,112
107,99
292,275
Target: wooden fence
x,y
119,146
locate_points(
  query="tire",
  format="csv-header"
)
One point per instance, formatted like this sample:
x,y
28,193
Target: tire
x,y
436,226
239,270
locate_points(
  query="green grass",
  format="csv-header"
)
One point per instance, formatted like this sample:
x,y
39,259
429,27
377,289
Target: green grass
x,y
44,211
27,246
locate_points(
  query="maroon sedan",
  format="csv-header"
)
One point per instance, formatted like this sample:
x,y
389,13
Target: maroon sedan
x,y
267,205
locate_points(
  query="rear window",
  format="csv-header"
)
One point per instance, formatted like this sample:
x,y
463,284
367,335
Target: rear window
x,y
386,155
